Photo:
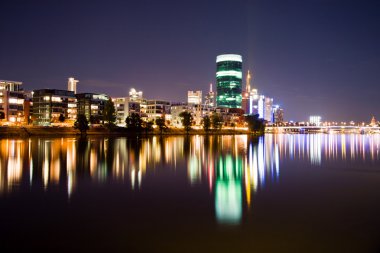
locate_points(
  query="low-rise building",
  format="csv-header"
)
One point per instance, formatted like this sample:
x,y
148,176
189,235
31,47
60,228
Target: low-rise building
x,y
11,101
50,104
157,108
125,107
92,106
176,109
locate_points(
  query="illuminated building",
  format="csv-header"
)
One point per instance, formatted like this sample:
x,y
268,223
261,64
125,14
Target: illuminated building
x,y
278,114
194,98
136,96
315,120
261,106
253,102
268,107
246,94
72,84
228,80
10,85
11,101
175,111
91,105
125,107
28,106
158,108
210,98
49,104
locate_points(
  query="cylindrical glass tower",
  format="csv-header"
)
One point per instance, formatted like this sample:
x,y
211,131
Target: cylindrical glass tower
x,y
228,80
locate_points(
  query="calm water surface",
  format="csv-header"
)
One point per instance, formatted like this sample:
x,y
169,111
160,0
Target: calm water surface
x,y
278,193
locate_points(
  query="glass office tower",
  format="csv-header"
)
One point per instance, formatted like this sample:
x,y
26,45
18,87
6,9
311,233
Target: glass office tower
x,y
228,80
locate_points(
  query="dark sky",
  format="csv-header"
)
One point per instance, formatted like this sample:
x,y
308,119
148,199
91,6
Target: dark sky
x,y
317,57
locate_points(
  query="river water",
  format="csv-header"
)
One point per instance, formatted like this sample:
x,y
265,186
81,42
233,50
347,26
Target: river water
x,y
278,193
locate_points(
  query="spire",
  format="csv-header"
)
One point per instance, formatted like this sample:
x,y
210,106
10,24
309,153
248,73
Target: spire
x,y
210,87
248,82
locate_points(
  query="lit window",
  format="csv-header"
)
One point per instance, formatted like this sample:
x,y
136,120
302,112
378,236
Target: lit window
x,y
56,99
13,100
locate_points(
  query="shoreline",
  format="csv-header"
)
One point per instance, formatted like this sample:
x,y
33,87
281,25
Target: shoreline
x,y
38,131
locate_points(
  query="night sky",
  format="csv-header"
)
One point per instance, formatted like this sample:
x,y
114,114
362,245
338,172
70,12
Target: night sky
x,y
314,57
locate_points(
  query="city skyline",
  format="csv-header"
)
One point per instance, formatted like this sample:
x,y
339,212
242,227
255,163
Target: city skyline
x,y
310,56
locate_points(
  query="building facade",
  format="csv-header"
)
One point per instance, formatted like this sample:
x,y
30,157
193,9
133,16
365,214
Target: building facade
x,y
92,106
268,109
278,114
229,80
210,98
157,108
11,101
49,104
136,96
72,84
194,97
176,110
125,107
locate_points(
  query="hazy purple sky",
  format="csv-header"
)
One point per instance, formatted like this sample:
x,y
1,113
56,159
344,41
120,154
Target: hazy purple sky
x,y
312,56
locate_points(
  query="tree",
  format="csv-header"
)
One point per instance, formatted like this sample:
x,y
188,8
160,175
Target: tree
x,y
206,123
147,126
109,113
61,118
133,122
187,120
255,124
217,122
81,124
160,122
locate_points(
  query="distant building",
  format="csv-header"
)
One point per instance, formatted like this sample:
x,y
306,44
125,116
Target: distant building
x,y
253,102
210,98
92,106
49,104
228,80
11,101
125,107
261,106
315,120
278,114
246,94
135,96
194,97
194,100
72,84
268,109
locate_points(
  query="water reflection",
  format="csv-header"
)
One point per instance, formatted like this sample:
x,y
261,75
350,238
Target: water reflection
x,y
233,168
325,148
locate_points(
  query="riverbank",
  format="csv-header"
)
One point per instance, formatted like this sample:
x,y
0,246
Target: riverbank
x,y
38,131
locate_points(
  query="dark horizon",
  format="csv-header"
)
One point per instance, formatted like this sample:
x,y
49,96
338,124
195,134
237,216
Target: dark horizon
x,y
314,57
